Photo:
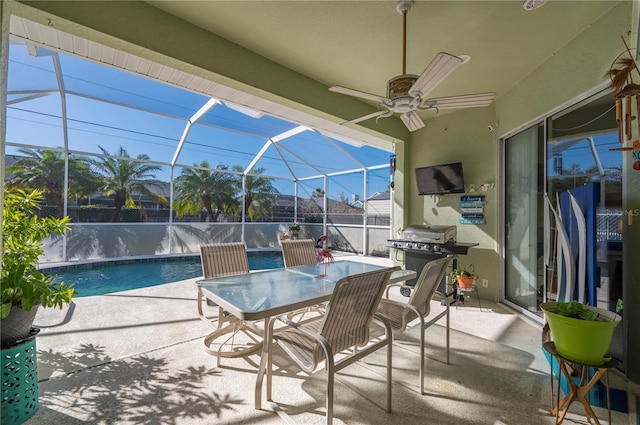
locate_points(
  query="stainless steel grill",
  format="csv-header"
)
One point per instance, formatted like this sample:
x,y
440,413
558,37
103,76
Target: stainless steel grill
x,y
422,244
424,238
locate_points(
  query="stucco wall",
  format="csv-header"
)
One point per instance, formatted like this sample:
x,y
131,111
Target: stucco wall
x,y
573,70
461,136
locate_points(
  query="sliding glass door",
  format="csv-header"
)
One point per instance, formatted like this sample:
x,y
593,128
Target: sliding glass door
x,y
572,148
524,224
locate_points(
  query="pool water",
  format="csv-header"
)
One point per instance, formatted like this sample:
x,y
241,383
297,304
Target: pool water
x,y
105,279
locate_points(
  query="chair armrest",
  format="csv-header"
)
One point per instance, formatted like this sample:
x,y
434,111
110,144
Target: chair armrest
x,y
300,328
286,321
439,294
401,275
384,322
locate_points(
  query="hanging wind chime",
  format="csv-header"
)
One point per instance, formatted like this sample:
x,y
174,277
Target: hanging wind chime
x,y
626,91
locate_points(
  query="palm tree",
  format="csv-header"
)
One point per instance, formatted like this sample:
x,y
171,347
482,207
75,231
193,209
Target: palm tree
x,y
259,193
201,188
122,178
44,170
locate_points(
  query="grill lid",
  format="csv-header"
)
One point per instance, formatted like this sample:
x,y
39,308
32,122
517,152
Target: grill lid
x,y
430,233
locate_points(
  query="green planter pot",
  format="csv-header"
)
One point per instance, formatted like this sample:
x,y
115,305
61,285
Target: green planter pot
x,y
582,341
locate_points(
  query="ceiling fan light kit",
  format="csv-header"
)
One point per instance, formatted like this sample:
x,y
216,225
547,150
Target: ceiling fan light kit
x,y
400,85
406,92
533,4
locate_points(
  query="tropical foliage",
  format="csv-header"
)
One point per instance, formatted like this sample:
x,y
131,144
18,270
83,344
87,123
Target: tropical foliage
x,y
122,177
258,193
44,170
216,191
464,271
201,188
21,283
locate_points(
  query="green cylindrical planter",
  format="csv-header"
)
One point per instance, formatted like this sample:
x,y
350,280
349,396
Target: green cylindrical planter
x,y
582,341
19,381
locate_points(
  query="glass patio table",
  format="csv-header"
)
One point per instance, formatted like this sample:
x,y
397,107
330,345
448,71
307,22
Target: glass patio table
x,y
261,295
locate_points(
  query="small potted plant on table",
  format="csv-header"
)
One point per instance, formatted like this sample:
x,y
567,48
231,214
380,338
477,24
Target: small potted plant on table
x,y
464,277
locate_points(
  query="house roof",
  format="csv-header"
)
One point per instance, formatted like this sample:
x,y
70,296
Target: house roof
x,y
380,196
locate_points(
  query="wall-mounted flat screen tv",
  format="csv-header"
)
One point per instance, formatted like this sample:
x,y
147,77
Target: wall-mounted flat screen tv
x,y
440,179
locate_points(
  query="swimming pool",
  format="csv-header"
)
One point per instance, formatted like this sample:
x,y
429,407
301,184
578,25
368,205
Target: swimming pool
x,y
101,279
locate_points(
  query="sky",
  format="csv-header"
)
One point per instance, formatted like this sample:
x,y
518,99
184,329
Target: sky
x,y
580,153
155,128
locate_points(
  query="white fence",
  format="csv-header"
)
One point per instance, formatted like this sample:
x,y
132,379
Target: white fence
x,y
104,241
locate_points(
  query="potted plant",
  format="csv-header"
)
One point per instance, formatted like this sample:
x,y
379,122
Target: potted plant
x,y
464,276
294,229
581,332
22,286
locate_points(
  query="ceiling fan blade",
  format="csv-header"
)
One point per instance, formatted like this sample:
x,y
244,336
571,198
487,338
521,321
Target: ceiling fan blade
x,y
382,114
357,93
463,101
412,120
439,68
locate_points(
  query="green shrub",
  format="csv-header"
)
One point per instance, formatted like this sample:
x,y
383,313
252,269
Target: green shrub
x,y
21,283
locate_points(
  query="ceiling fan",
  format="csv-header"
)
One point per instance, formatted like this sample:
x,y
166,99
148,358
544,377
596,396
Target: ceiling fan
x,y
406,93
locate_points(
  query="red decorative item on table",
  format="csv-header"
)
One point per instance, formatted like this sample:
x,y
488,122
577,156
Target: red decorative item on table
x,y
323,254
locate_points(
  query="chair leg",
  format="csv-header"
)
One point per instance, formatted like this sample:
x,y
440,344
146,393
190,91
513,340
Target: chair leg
x,y
390,378
448,334
422,331
330,396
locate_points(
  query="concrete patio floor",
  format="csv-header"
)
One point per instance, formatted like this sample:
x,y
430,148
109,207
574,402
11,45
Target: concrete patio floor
x,y
137,357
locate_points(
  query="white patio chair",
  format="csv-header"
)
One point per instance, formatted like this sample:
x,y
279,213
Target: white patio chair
x,y
298,252
345,326
220,260
400,314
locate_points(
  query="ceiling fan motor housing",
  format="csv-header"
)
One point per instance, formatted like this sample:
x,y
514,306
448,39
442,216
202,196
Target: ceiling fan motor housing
x,y
399,86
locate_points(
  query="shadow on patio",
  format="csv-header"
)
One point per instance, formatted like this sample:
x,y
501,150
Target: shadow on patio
x,y
137,358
